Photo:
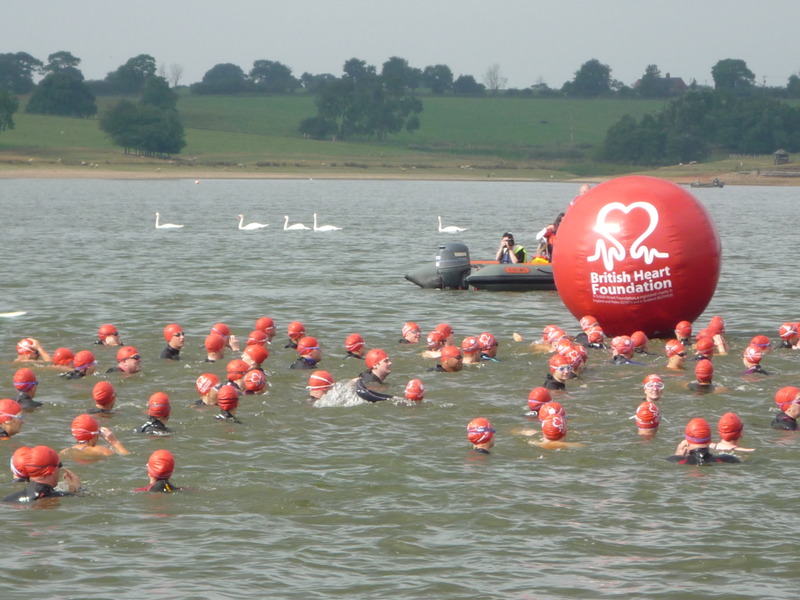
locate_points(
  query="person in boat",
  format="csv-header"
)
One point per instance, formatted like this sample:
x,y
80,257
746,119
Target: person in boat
x,y
480,434
160,467
175,337
26,384
695,451
509,251
44,469
788,401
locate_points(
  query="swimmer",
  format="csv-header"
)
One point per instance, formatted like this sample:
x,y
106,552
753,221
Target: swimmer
x,y
30,350
731,429
380,366
683,333
62,358
84,364
447,331
257,338
537,398
542,344
319,384
676,355
648,418
639,342
653,387
450,360
207,386
11,418
471,350
622,349
762,342
410,333
129,361
489,345
107,335
26,384
158,409
175,337
215,347
788,400
354,345
266,325
704,347
698,438
160,467
45,470
104,396
235,371
436,340
415,390
752,360
480,434
18,463
296,330
310,353
596,338
703,373
87,433
230,340
254,356
554,430
228,400
789,336
255,380
560,371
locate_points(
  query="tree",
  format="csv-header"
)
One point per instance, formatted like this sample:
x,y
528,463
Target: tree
x,y
493,78
313,83
652,85
175,74
158,93
8,106
732,74
397,75
144,129
131,77
16,72
63,93
439,78
467,86
272,77
222,78
62,61
591,80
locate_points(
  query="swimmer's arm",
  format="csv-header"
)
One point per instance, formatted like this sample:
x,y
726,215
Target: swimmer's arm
x,y
113,441
683,448
525,431
233,343
369,395
72,481
43,355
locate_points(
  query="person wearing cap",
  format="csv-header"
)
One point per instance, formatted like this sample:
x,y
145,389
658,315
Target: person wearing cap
x,y
257,338
45,470
310,353
129,361
215,347
730,429
17,464
354,345
26,384
255,380
410,333
676,355
84,364
648,418
480,434
683,333
104,396
471,350
319,384
640,340
267,325
447,330
436,340
254,355
30,350
622,351
295,331
596,338
788,400
703,376
790,338
450,360
107,335
158,410
379,367
554,430
415,390
62,358
87,433
560,371
489,345
228,401
509,251
231,341
11,418
538,397
207,386
235,371
175,337
704,347
160,467
696,450
751,358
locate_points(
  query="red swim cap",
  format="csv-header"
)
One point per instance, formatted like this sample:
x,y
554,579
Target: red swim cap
x,y
436,339
237,368
205,383
257,353
104,394
18,462
555,334
320,380
296,330
106,330
266,325
257,338
588,321
753,354
123,353
557,361
158,406
761,341
787,331
639,339
83,360
705,346
161,464
730,427
564,346
171,329
445,329
470,345
697,431
647,415
374,356
449,352
717,323
487,341
85,428
674,347
409,328
538,397
221,329
683,329
623,344
26,346
704,371
595,335
480,431
551,408
24,379
62,357
653,381
42,461
214,342
786,396
354,342
554,428
255,380
9,409
306,345
228,397
415,390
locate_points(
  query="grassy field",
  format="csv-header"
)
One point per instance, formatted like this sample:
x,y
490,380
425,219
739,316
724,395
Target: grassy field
x,y
459,137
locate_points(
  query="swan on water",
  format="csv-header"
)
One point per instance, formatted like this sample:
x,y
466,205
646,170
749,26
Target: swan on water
x,y
324,227
165,225
449,228
250,226
293,226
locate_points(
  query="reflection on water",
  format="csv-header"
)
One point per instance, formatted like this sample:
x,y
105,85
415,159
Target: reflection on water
x,y
363,500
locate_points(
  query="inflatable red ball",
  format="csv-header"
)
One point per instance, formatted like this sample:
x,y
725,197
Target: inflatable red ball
x,y
638,253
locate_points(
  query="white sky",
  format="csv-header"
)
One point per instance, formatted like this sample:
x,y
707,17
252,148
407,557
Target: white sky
x,y
530,40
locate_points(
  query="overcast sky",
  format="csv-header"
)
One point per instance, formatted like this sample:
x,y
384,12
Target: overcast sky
x,y
531,40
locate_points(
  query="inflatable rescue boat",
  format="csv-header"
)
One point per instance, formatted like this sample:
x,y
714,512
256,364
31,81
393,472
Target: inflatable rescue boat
x,y
453,270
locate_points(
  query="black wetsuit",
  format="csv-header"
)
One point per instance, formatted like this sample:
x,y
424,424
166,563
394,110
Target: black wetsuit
x,y
701,456
303,363
161,485
755,369
436,369
4,434
26,402
35,491
619,359
99,411
351,355
171,353
153,426
701,388
224,415
784,421
487,357
551,383
404,341
114,370
363,392
369,377
481,450
72,374
292,345
785,344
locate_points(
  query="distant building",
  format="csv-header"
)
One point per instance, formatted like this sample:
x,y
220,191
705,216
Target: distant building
x,y
672,86
781,157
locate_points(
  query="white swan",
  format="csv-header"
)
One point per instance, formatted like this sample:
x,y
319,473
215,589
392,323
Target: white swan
x,y
324,227
165,225
294,226
250,226
450,228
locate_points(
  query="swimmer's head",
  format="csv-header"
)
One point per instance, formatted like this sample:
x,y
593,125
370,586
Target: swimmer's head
x,y
62,357
436,339
595,335
480,431
10,409
451,358
205,383
257,354
105,331
675,348
18,463
42,462
374,357
411,332
173,330
753,354
559,367
554,427
551,408
717,323
320,380
762,342
653,386
24,380
640,340
587,322
683,330
705,347
488,344
257,338
158,406
124,353
161,464
704,371
214,342
354,343
307,346
255,381
647,415
445,329
104,394
788,332
85,428
84,360
236,369
622,344
228,397
470,345
786,396
266,325
730,427
538,397
296,330
697,431
564,346
221,329
554,335
415,390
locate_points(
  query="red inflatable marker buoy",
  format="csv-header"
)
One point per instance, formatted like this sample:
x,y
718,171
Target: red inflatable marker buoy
x,y
638,253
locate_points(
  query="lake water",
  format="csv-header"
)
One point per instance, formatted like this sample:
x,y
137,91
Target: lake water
x,y
383,500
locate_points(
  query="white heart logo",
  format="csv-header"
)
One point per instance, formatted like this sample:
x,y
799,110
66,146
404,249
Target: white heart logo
x,y
617,251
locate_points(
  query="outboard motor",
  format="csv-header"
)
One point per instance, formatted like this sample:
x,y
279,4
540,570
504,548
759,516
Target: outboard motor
x,y
450,271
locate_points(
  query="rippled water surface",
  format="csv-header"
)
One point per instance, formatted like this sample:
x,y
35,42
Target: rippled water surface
x,y
385,500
